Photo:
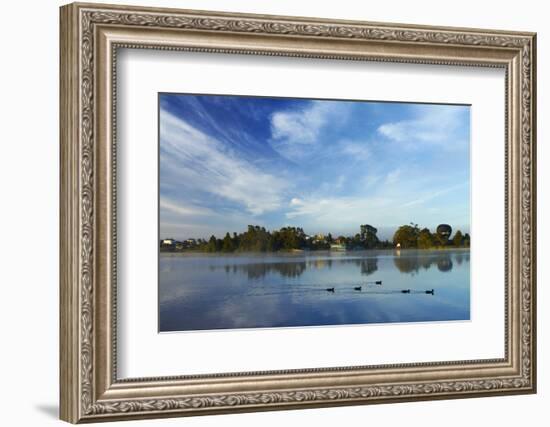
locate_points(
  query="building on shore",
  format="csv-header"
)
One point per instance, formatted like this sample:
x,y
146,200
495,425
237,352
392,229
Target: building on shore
x,y
337,247
167,242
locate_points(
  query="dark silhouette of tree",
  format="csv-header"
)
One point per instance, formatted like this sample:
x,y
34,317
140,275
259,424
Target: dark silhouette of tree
x,y
211,246
458,238
368,236
227,245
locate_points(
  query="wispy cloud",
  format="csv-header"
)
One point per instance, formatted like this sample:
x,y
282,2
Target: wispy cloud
x,y
183,210
338,213
433,125
202,162
224,163
294,132
302,126
426,197
183,220
357,150
345,214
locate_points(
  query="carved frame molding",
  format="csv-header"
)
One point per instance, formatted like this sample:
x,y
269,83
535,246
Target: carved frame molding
x,y
90,37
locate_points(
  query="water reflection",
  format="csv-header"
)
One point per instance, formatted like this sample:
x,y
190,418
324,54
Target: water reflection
x,y
369,266
409,262
201,292
412,262
260,270
293,269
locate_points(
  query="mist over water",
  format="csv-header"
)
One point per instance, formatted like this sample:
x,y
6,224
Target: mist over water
x,y
201,292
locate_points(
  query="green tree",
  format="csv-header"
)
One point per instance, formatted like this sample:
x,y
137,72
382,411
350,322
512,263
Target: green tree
x,y
236,241
292,238
356,241
458,238
274,242
466,240
227,245
211,246
407,236
425,239
368,236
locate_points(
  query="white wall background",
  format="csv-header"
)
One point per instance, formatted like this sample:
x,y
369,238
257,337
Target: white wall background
x,y
29,170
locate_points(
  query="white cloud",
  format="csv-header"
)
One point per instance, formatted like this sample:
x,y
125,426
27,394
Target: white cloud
x,y
358,150
184,210
294,133
343,214
195,160
433,194
435,125
301,126
339,214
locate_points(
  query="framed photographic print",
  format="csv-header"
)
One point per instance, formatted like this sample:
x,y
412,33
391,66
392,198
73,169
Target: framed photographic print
x,y
265,212
326,166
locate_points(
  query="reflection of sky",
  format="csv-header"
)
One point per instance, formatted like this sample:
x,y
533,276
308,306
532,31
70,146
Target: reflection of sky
x,y
226,292
325,166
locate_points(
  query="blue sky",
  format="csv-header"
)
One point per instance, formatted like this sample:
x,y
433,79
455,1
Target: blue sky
x,y
326,166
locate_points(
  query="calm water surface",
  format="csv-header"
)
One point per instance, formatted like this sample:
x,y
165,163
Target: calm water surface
x,y
198,291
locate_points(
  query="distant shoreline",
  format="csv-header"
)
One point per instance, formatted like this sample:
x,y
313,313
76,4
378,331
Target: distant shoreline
x,y
309,252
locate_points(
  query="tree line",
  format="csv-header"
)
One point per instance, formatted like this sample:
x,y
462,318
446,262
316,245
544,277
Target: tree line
x,y
259,239
412,236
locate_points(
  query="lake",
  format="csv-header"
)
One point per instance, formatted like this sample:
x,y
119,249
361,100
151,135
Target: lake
x,y
201,291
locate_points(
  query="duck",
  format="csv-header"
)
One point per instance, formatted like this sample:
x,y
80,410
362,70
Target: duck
x,y
330,289
357,288
430,292
406,291
378,282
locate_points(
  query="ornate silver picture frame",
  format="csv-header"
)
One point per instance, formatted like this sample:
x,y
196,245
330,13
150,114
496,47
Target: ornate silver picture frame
x,y
91,36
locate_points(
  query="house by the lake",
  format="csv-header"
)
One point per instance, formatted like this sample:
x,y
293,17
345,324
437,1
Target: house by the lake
x,y
337,247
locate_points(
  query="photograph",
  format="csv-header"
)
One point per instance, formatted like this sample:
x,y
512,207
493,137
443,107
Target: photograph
x,y
294,212
268,209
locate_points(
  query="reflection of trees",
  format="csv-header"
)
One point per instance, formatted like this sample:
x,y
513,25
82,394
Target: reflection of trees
x,y
459,258
405,262
413,262
369,266
296,268
260,270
